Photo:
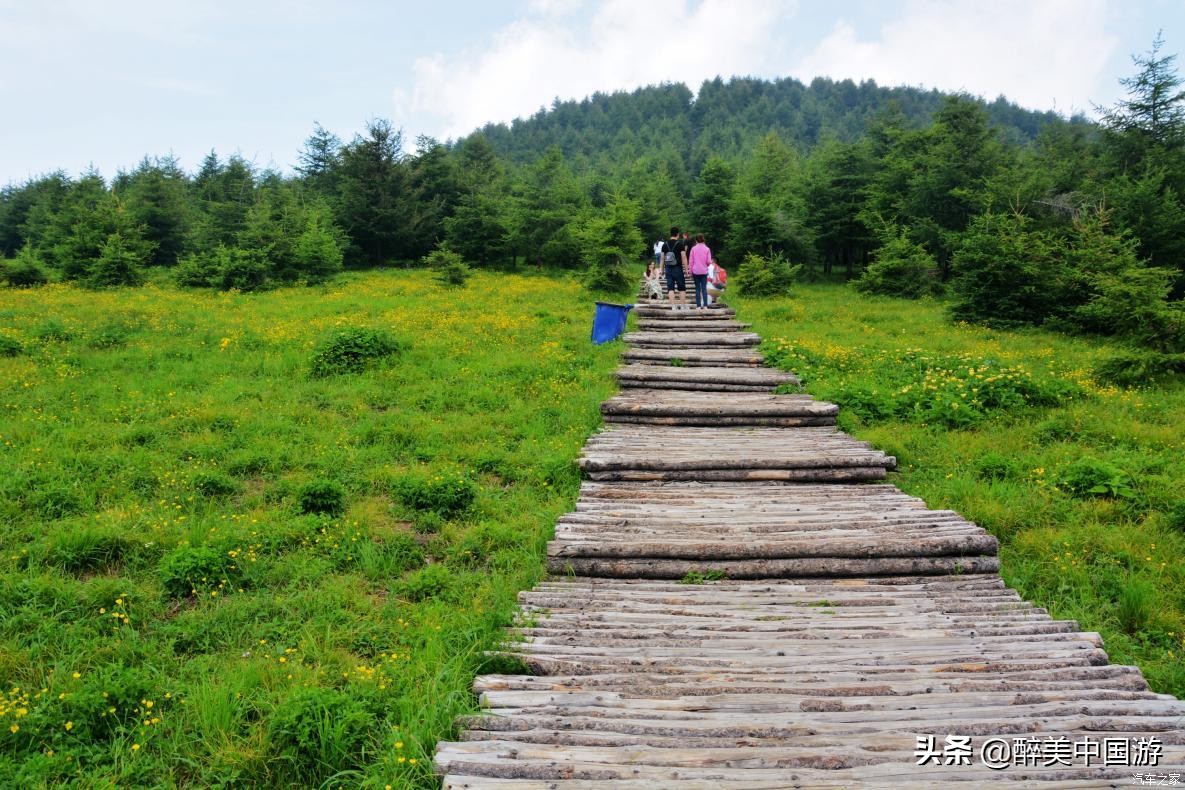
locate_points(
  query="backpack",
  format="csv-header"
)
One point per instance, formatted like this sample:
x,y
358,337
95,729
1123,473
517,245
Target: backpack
x,y
721,275
668,253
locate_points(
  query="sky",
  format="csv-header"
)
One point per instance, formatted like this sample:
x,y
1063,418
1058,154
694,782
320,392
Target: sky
x,y
103,83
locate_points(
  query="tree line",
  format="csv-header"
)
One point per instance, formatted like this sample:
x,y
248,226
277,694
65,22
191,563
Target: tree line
x,y
1024,217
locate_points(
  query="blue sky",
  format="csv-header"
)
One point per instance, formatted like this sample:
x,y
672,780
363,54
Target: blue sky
x,y
88,82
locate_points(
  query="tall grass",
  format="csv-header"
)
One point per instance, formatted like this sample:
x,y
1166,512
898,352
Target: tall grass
x,y
240,548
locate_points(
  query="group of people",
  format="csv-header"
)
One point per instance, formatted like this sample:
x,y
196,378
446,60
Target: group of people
x,y
674,256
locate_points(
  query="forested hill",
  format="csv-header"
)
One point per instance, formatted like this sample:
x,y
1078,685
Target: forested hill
x,y
725,119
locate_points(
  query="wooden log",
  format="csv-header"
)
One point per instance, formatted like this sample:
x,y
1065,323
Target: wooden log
x,y
761,475
678,404
662,312
657,568
694,421
700,325
705,374
713,357
972,543
686,341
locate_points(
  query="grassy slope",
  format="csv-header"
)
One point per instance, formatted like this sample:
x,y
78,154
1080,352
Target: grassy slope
x,y
140,426
1114,563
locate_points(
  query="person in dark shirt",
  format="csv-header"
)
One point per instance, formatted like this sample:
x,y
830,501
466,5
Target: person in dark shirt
x,y
674,254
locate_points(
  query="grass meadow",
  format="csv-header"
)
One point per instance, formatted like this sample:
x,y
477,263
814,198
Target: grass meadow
x,y
1082,483
235,552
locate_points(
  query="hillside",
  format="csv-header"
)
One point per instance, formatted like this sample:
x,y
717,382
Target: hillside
x,y
726,118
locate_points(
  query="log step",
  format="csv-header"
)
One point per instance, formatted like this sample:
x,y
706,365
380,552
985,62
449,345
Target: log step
x,y
665,313
681,404
703,377
630,452
689,340
698,357
752,531
678,325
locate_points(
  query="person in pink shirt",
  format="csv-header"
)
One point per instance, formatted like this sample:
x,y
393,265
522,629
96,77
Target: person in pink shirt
x,y
698,262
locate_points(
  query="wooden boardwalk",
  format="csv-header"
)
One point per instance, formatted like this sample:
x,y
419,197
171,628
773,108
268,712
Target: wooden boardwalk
x,y
838,632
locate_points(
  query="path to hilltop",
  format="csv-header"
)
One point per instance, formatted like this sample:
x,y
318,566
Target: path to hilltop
x,y
852,620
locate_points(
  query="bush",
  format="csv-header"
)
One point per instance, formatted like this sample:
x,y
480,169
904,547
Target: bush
x,y
1136,607
1176,516
319,732
242,270
432,582
1005,273
317,253
352,350
607,241
1132,303
87,548
449,267
900,268
119,263
480,545
59,500
214,485
199,270
26,269
1091,477
772,276
323,497
1138,368
994,466
10,347
446,494
112,335
52,331
193,570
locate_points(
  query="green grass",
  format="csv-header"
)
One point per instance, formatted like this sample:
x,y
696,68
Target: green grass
x,y
1083,484
225,562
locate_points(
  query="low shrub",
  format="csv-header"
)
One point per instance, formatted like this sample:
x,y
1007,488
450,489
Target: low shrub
x,y
994,466
1139,368
900,267
214,485
772,276
87,548
432,582
110,335
241,270
1136,606
1176,516
319,732
322,497
119,263
353,350
52,330
59,500
10,347
1092,477
194,570
448,267
26,270
447,494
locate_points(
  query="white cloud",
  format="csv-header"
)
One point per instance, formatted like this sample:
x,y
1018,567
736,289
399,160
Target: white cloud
x,y
622,45
1045,54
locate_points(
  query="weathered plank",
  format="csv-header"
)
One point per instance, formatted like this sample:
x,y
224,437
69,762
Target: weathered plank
x,y
689,357
690,340
640,375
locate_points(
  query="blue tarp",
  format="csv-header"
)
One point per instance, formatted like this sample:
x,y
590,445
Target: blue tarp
x,y
609,321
